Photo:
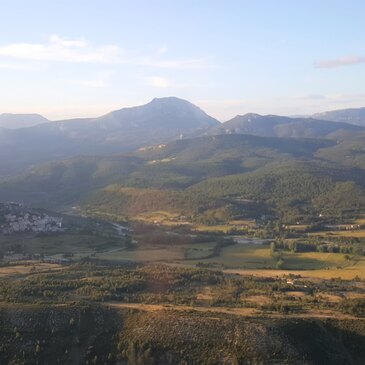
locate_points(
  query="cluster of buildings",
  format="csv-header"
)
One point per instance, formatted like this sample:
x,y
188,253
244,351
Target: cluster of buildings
x,y
14,220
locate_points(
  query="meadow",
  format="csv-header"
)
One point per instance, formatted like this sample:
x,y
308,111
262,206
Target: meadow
x,y
160,253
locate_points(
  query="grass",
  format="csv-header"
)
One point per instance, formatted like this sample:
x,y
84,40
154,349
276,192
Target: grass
x,y
225,228
173,219
26,268
317,265
298,227
222,228
243,222
160,217
256,256
313,260
147,254
243,256
161,253
53,244
347,273
199,250
351,233
360,220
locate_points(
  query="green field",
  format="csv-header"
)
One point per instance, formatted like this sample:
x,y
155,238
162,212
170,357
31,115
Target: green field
x,y
242,256
160,253
250,255
314,260
256,256
63,243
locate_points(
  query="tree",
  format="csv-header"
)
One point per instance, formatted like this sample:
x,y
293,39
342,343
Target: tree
x,y
280,263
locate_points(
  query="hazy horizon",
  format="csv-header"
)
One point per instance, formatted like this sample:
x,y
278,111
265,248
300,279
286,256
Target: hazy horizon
x,y
232,58
100,114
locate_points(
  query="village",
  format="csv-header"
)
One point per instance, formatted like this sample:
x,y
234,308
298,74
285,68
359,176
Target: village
x,y
14,218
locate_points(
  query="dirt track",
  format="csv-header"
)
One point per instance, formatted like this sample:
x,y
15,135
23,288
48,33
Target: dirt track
x,y
245,312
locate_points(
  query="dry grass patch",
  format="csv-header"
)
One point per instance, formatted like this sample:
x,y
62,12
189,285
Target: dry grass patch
x,y
357,233
298,227
257,299
297,294
347,273
28,268
329,298
146,254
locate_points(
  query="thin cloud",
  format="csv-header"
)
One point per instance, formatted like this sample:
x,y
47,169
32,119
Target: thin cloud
x,y
339,62
159,82
59,49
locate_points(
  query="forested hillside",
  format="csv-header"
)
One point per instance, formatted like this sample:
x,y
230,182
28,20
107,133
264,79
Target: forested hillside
x,y
221,176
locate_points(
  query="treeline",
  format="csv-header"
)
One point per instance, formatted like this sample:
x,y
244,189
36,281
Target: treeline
x,y
297,246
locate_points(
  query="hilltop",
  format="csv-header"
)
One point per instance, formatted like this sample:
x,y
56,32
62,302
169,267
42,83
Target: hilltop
x,y
161,120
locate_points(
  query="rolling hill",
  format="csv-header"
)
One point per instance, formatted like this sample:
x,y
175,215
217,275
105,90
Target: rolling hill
x,y
157,122
279,126
211,176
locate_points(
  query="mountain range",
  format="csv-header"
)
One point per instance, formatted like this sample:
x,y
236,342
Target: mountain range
x,y
280,126
354,116
170,155
161,120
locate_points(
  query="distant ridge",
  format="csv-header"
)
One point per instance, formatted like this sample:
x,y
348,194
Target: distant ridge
x,y
16,121
159,121
280,126
354,116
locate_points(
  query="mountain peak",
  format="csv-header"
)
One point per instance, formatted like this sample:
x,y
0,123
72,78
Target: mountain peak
x,y
172,102
167,112
167,99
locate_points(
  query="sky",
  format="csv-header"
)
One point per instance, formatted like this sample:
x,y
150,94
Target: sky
x,y
81,58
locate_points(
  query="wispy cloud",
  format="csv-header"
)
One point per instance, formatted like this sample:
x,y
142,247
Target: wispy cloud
x,y
100,80
59,49
339,62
